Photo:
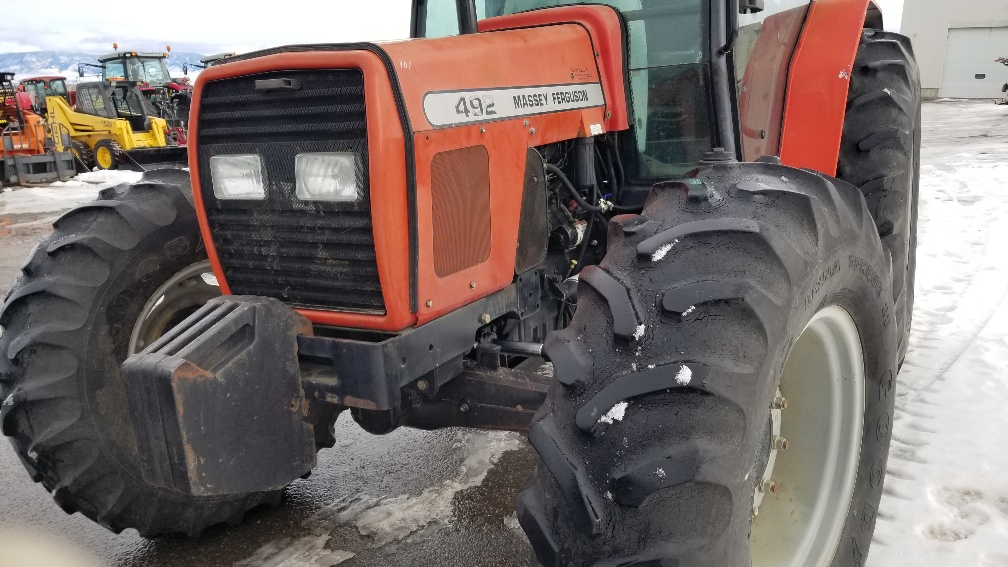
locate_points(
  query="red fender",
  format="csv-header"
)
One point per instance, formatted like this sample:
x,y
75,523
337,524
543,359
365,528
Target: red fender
x,y
819,80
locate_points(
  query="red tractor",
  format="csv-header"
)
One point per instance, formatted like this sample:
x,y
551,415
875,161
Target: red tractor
x,y
673,240
39,88
171,96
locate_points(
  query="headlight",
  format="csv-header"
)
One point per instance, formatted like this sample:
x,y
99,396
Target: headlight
x,y
237,177
326,176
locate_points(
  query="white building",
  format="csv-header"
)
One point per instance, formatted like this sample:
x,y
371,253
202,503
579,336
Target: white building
x,y
956,43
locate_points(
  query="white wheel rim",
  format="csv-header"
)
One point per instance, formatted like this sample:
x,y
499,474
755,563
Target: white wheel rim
x,y
823,381
186,290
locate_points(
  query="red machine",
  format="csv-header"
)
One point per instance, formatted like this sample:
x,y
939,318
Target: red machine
x,y
28,148
41,87
673,241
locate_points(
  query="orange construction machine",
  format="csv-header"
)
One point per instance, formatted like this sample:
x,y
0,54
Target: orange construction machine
x,y
673,240
28,145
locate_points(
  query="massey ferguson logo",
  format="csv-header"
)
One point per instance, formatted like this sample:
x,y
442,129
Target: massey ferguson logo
x,y
450,108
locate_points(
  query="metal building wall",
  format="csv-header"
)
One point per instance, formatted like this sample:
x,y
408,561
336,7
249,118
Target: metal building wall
x,y
927,24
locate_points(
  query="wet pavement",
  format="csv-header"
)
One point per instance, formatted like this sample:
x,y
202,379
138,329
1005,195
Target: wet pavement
x,y
413,498
408,498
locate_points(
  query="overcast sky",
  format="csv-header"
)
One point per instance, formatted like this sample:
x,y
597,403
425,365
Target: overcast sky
x,y
210,26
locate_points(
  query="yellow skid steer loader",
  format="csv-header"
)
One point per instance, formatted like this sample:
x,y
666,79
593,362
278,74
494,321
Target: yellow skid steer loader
x,y
114,127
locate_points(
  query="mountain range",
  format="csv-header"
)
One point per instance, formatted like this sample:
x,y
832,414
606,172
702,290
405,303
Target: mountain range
x,y
34,63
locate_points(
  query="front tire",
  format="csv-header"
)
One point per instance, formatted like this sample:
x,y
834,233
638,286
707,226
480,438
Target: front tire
x,y
659,429
106,154
85,299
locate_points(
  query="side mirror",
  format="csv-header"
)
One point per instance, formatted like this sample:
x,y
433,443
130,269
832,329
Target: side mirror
x,y
750,6
185,68
80,70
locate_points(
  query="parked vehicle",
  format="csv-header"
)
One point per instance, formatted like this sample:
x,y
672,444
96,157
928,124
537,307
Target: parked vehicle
x,y
711,243
114,126
170,95
39,88
29,147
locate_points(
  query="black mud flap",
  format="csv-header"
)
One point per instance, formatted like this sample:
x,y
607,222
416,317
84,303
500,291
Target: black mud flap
x,y
217,402
147,159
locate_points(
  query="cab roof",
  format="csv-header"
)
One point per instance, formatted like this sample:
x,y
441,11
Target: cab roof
x,y
121,54
45,79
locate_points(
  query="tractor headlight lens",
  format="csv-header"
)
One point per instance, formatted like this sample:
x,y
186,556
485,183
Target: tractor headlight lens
x,y
330,176
237,177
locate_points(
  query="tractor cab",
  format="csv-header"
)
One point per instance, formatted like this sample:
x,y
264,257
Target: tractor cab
x,y
146,69
169,96
38,88
16,113
691,84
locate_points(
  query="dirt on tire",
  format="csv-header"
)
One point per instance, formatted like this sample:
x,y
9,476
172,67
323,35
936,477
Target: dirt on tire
x,y
651,440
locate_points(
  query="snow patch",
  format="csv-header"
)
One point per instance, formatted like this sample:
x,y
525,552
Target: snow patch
x,y
684,375
660,473
512,524
691,309
308,551
615,414
62,195
639,333
663,250
114,176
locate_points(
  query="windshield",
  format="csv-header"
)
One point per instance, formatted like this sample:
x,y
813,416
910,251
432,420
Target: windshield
x,y
669,80
151,70
57,88
128,102
37,93
113,70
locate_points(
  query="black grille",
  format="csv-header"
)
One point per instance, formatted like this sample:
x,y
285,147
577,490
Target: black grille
x,y
308,254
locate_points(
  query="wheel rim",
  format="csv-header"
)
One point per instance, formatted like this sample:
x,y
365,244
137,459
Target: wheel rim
x,y
103,156
800,525
176,299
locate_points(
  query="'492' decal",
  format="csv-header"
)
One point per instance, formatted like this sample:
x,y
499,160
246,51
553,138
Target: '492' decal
x,y
475,106
450,108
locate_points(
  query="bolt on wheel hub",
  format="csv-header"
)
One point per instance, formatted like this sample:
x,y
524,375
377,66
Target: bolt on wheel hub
x,y
814,453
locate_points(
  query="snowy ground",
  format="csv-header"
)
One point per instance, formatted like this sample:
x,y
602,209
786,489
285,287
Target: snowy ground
x,y
61,195
445,498
946,491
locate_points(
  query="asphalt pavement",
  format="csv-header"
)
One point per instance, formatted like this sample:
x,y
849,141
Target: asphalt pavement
x,y
414,498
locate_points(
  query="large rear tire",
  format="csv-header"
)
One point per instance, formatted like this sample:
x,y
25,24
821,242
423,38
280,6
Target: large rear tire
x,y
116,273
880,153
660,427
